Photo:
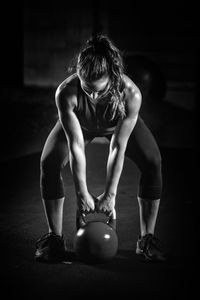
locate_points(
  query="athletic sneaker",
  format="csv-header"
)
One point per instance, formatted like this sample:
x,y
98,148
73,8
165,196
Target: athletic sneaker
x,y
149,248
50,248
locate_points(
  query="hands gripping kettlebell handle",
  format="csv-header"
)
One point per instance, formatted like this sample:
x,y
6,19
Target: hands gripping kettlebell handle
x,y
81,220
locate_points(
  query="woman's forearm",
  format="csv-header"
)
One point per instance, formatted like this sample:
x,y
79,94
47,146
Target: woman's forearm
x,y
114,169
78,168
117,153
76,145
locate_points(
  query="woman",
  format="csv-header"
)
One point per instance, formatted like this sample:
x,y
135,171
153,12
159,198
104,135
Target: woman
x,y
99,100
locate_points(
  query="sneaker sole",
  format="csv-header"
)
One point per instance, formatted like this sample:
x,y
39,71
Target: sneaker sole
x,y
146,258
143,256
45,258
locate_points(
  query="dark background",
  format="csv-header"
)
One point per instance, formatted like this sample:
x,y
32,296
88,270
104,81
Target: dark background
x,y
38,42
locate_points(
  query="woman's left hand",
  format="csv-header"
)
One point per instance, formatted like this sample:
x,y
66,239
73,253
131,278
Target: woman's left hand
x,y
106,204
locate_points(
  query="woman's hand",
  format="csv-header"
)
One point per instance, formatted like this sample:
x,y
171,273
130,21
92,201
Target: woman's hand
x,y
86,203
106,205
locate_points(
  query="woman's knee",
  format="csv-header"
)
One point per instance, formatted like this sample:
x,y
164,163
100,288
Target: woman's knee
x,y
50,164
155,161
51,182
152,164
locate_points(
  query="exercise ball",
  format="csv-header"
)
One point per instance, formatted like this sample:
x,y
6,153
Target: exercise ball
x,y
147,75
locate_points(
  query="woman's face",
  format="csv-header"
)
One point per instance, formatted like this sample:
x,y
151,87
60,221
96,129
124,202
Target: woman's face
x,y
96,89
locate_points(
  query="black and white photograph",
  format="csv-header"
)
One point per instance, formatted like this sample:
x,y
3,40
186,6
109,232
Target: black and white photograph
x,y
99,119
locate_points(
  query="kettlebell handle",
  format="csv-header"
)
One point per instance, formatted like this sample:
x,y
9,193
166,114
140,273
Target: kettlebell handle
x,y
81,220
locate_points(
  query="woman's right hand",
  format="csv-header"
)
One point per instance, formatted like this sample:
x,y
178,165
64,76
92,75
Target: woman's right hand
x,y
86,205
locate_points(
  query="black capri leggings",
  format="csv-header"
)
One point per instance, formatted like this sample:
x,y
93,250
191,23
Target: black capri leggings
x,y
141,148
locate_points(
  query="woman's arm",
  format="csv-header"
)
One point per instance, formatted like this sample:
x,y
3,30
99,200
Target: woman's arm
x,y
119,141
65,105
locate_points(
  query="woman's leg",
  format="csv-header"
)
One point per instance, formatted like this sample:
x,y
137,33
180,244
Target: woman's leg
x,y
143,150
54,157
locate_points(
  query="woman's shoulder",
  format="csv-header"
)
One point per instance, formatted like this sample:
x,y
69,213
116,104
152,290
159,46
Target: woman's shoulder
x,y
132,93
129,84
67,90
69,85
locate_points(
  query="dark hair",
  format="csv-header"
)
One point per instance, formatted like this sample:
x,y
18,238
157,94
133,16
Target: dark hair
x,y
100,57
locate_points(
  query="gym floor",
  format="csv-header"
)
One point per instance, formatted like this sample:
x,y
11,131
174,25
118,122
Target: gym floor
x,y
23,220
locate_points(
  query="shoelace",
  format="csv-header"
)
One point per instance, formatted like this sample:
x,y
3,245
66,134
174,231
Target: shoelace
x,y
152,240
45,237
